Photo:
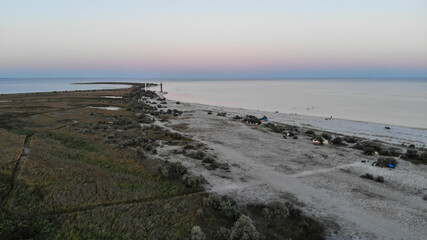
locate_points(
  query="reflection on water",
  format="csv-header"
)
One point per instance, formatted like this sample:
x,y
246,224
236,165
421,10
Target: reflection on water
x,y
394,102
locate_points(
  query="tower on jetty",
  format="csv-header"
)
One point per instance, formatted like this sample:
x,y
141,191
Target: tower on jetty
x,y
161,87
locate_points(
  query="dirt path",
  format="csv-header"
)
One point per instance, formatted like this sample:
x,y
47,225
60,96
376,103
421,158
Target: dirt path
x,y
17,170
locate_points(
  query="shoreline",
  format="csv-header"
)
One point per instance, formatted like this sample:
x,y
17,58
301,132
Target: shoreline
x,y
371,130
345,127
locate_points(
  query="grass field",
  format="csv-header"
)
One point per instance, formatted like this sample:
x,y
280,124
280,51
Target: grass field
x,y
70,171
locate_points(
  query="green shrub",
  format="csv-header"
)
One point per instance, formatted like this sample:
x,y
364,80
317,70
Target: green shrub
x,y
243,229
225,205
368,176
199,155
368,151
327,136
275,211
411,154
379,179
350,139
171,170
197,233
191,181
222,234
337,141
310,132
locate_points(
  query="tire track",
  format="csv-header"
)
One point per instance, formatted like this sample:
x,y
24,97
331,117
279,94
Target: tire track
x,y
17,169
16,172
119,203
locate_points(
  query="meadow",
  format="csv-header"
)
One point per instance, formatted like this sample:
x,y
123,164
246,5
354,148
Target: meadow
x,y
72,170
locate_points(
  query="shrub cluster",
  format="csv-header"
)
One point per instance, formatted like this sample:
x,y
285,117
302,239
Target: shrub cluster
x,y
197,233
171,170
199,155
225,205
192,181
310,132
243,229
371,177
337,141
350,139
414,156
276,211
327,136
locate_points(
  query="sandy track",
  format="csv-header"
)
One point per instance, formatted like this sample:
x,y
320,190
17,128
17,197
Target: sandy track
x,y
324,179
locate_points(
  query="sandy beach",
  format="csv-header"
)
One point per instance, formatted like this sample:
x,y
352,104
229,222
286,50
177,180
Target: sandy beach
x,y
323,179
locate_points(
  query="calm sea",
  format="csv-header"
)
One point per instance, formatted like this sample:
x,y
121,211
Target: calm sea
x,y
25,85
392,102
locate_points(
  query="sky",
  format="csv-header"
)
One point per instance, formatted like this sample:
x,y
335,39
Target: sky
x,y
221,38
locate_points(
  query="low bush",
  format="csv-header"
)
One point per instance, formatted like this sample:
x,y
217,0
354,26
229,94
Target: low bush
x,y
225,205
310,132
350,139
368,151
411,154
379,179
276,211
243,229
415,157
337,141
171,170
192,181
368,176
222,234
209,160
327,136
199,155
197,233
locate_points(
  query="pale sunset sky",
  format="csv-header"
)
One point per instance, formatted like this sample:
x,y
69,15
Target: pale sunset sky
x,y
221,38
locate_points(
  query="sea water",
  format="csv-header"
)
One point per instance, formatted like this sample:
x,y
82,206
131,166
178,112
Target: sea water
x,y
26,85
391,102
